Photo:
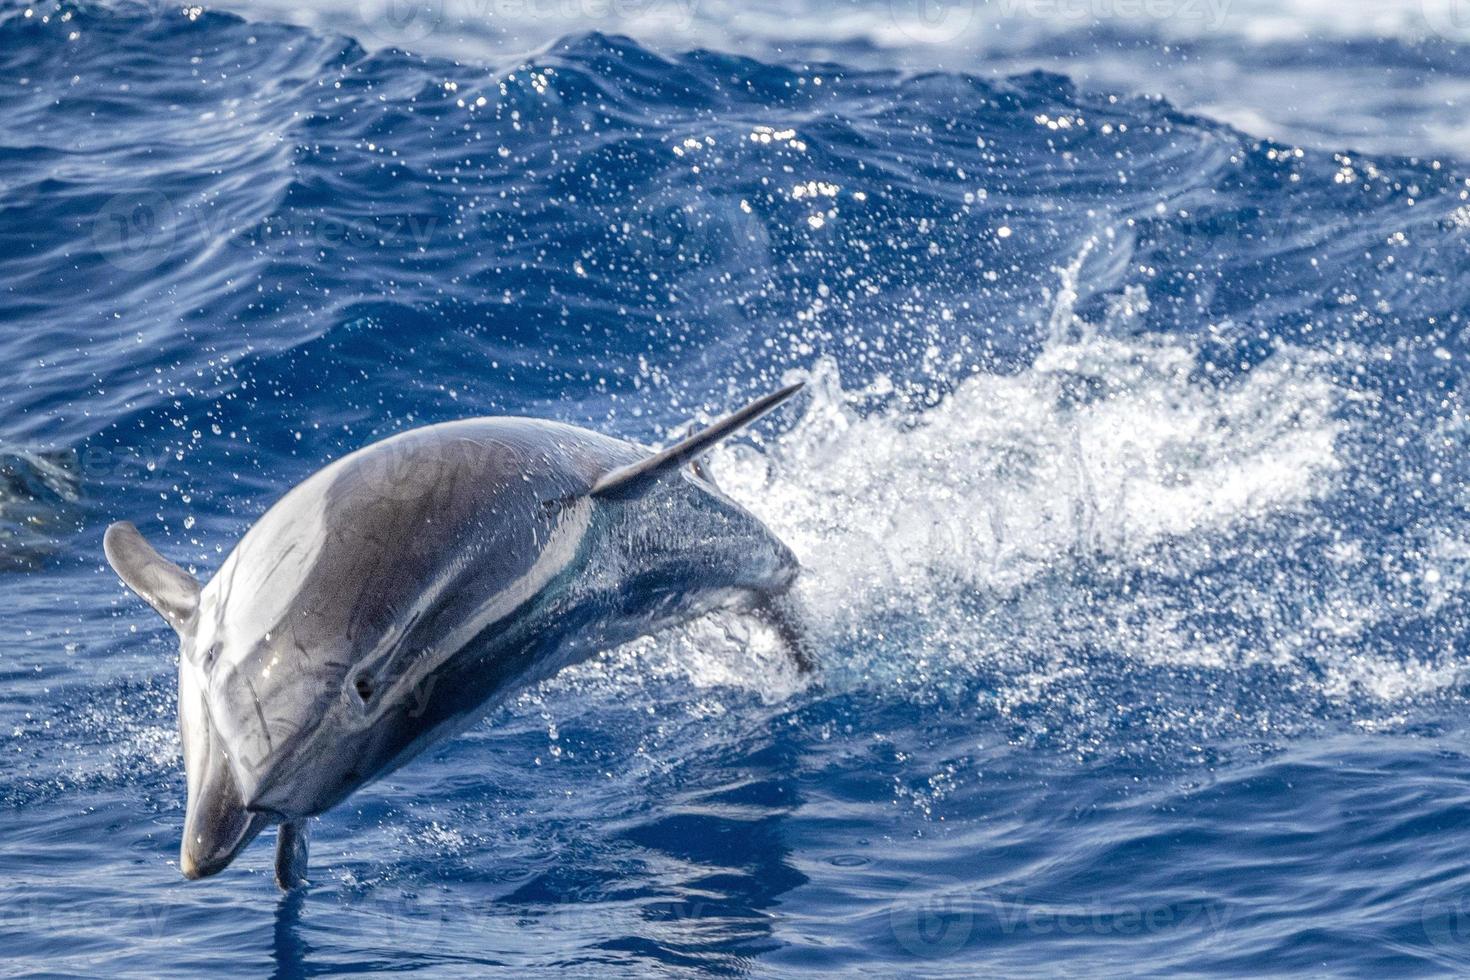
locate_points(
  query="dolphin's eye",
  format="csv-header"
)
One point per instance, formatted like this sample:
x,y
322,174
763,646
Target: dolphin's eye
x,y
364,686
210,656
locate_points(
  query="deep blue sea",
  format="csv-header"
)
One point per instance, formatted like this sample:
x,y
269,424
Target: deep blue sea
x,y
1130,479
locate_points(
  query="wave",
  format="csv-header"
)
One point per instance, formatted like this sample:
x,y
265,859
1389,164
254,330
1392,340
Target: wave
x,y
491,29
1129,481
1062,343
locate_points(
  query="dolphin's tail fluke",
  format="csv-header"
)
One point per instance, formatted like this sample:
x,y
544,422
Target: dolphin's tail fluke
x,y
637,477
775,608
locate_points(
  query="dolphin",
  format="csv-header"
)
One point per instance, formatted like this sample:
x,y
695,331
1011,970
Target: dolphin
x,y
395,596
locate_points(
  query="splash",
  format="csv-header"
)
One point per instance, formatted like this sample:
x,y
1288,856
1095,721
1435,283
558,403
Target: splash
x,y
1106,446
994,551
992,535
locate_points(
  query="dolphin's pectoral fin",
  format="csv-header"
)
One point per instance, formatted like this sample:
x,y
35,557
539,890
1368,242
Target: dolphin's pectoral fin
x,y
291,855
635,478
780,613
159,582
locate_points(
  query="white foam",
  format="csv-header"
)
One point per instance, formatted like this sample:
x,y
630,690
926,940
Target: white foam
x,y
1008,475
495,29
912,522
1227,76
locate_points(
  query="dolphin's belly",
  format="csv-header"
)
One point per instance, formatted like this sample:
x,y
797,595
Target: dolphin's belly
x,y
640,567
408,588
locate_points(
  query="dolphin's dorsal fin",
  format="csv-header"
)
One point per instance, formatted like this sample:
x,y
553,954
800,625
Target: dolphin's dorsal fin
x,y
637,477
158,581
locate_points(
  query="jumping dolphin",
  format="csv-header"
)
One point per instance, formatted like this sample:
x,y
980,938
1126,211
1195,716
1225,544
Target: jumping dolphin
x,y
396,595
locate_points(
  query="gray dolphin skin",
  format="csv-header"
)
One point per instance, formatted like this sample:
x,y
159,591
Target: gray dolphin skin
x,y
396,595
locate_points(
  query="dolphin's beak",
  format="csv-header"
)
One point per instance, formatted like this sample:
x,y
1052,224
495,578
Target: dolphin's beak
x,y
217,826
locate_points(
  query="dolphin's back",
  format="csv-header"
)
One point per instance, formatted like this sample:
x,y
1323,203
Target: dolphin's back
x,y
351,548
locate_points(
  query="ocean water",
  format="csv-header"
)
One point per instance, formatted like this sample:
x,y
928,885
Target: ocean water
x,y
1129,482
